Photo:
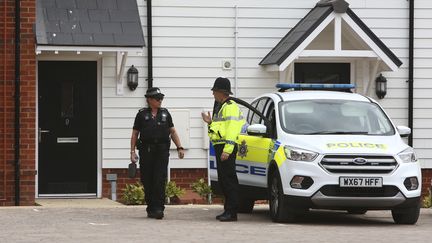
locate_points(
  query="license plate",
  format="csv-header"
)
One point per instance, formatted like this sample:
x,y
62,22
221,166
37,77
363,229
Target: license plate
x,y
360,182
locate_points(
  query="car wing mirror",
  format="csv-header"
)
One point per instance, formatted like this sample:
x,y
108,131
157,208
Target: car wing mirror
x,y
404,131
257,130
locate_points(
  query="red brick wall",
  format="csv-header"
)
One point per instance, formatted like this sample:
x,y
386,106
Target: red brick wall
x,y
182,177
7,105
185,177
427,181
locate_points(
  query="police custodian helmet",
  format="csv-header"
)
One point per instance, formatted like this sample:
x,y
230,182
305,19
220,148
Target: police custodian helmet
x,y
222,84
154,93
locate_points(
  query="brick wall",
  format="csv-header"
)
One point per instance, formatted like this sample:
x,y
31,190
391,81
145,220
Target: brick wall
x,y
185,177
182,177
427,181
7,104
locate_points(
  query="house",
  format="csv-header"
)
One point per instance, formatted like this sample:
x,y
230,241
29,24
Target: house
x,y
67,128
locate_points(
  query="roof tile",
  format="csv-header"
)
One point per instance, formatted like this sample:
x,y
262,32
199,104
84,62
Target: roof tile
x,y
68,4
89,23
91,27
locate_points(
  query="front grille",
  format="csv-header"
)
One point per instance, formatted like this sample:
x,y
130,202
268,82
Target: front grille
x,y
359,164
337,191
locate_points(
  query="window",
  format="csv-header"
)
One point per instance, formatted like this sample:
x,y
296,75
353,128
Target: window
x,y
334,117
67,100
328,73
260,106
271,116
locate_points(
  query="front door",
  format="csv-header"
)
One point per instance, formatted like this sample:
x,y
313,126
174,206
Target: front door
x,y
67,96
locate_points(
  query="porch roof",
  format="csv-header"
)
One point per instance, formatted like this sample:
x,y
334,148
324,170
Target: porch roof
x,y
88,24
291,44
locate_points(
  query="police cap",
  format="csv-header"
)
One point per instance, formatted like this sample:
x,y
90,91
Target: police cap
x,y
222,84
154,93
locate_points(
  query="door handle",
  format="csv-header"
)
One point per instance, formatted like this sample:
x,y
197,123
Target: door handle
x,y
40,131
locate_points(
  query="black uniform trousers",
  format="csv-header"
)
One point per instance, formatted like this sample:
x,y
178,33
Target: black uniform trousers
x,y
153,169
227,179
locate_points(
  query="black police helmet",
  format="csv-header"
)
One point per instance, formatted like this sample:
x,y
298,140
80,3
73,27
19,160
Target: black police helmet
x,y
222,84
154,93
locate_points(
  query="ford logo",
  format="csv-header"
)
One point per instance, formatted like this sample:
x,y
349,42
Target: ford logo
x,y
360,161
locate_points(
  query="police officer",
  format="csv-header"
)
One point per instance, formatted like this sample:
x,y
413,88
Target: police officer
x,y
155,129
224,129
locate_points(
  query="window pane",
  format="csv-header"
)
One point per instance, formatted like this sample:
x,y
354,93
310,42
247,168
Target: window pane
x,y
67,104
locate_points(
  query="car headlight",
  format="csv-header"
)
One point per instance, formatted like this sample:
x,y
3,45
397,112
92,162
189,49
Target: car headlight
x,y
297,154
408,155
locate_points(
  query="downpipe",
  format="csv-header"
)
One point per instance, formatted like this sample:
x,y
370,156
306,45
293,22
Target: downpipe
x,y
411,72
149,45
17,100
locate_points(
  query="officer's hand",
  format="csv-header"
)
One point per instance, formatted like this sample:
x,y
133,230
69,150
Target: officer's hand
x,y
224,156
133,157
180,153
206,117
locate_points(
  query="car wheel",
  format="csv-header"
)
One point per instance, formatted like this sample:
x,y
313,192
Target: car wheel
x,y
246,205
406,216
278,205
356,211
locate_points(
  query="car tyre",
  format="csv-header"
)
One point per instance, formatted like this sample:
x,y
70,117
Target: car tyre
x,y
279,210
406,216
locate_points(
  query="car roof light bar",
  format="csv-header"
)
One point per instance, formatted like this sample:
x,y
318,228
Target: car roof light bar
x,y
283,87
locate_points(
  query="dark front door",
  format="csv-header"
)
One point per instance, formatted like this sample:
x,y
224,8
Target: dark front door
x,y
67,127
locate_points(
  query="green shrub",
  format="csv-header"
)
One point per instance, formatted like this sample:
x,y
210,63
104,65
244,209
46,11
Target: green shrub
x,y
427,201
203,189
133,194
172,190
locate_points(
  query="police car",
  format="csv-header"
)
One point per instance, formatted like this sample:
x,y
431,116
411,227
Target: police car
x,y
324,149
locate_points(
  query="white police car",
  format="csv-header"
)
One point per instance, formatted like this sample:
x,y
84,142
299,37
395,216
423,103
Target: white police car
x,y
324,150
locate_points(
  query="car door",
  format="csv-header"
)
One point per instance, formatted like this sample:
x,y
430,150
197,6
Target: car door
x,y
254,151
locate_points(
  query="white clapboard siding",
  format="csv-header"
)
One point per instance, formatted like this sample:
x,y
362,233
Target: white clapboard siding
x,y
192,38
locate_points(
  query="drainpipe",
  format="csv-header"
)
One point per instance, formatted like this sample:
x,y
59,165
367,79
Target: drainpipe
x,y
236,52
17,101
5,67
149,45
411,72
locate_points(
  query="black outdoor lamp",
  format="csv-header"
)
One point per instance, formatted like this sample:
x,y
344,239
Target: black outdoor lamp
x,y
132,78
381,86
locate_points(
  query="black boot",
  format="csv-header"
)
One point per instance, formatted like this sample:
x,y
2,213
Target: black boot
x,y
158,214
228,217
220,215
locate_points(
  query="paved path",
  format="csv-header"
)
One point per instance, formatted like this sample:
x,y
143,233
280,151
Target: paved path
x,y
112,222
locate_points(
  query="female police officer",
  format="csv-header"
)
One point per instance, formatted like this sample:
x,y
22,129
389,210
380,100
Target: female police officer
x,y
155,129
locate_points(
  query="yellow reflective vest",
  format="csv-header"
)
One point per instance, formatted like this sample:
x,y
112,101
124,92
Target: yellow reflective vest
x,y
226,126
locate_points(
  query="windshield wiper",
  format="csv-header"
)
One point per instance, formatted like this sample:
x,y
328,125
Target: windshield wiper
x,y
338,132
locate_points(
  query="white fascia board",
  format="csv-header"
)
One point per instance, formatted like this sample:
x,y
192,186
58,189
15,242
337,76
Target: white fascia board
x,y
338,32
271,68
389,63
137,50
336,53
306,42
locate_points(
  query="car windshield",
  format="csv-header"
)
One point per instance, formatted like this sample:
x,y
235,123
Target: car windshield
x,y
334,117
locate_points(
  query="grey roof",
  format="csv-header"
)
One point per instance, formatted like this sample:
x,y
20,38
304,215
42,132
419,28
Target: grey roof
x,y
105,23
310,22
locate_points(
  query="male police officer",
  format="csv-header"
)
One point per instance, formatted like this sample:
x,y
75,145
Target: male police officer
x,y
224,129
155,129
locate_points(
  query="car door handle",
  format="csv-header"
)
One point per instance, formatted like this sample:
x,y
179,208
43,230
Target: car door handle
x,y
40,134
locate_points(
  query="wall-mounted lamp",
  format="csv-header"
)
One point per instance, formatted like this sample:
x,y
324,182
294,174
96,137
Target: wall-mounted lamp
x,y
381,86
132,78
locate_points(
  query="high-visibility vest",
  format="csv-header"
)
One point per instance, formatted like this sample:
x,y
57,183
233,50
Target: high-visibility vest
x,y
226,126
